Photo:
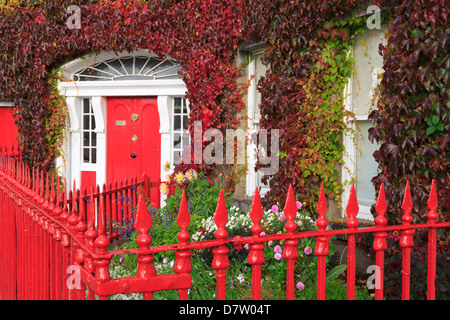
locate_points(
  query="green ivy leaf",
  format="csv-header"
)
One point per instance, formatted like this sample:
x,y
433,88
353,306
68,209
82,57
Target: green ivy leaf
x,y
416,33
431,130
435,119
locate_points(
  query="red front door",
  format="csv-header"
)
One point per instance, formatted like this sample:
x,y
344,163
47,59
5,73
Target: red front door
x,y
133,139
8,129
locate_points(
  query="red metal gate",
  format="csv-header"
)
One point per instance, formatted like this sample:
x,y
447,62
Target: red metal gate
x,y
46,233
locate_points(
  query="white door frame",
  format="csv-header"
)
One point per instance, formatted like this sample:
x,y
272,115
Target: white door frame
x,y
165,90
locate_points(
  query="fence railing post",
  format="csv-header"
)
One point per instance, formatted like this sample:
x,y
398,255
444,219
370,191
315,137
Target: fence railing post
x,y
322,249
352,210
290,252
406,242
379,242
146,268
183,262
432,216
101,242
256,253
220,261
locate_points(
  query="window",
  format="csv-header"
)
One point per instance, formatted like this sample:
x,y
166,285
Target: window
x,y
359,162
180,114
89,136
130,68
256,69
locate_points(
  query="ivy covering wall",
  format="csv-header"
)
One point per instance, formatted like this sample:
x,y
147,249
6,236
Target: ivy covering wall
x,y
412,119
201,35
306,45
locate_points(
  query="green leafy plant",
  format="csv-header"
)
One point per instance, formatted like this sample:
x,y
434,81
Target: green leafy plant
x,y
434,124
306,95
411,120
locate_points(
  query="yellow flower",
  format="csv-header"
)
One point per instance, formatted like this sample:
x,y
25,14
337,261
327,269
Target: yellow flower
x,y
191,174
166,166
164,188
168,178
179,177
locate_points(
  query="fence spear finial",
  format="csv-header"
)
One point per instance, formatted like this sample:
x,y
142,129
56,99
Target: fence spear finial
x,y
221,217
256,214
183,220
143,225
432,203
290,211
380,208
352,209
322,210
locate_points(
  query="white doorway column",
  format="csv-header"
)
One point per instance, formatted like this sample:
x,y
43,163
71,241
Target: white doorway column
x,y
164,110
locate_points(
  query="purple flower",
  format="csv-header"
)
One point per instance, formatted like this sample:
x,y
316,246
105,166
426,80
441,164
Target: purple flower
x,y
274,208
277,249
300,285
299,204
277,256
308,250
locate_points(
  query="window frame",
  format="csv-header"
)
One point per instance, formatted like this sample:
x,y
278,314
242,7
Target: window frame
x,y
184,103
253,179
88,166
349,170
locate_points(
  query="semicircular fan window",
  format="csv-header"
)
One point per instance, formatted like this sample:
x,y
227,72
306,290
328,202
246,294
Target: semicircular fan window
x,y
130,68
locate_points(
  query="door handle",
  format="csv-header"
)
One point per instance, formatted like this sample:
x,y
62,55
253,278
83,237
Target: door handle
x,y
133,155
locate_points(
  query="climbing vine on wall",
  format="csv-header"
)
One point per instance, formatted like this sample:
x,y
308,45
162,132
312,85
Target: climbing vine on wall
x,y
202,35
412,119
303,91
306,45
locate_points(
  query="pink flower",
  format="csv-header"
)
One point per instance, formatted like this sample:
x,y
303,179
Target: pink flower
x,y
394,235
274,208
307,250
277,256
300,285
277,249
299,204
282,218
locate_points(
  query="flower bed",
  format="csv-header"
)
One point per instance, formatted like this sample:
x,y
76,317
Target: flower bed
x,y
239,275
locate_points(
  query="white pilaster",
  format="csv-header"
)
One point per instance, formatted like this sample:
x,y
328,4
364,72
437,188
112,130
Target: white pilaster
x,y
75,143
164,110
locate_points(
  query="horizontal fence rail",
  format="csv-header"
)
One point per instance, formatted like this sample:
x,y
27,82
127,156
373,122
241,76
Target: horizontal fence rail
x,y
46,231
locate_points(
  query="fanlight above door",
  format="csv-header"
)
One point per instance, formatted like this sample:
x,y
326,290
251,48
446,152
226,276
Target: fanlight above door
x,y
130,68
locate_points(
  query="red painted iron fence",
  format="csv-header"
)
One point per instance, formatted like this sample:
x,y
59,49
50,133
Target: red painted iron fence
x,y
45,234
10,153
